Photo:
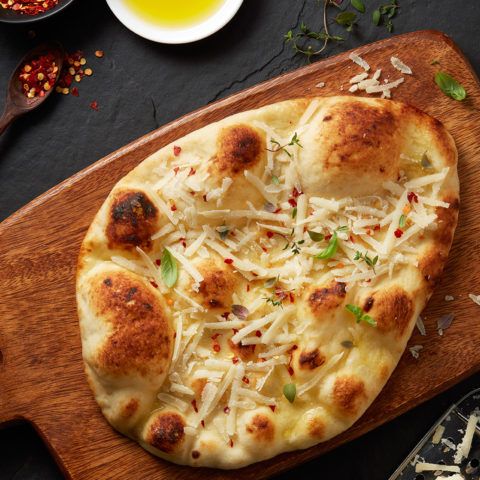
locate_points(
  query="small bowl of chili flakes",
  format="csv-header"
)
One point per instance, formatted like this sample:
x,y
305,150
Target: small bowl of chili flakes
x,y
27,11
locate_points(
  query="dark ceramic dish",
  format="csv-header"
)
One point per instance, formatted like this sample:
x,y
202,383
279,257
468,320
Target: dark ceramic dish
x,y
10,16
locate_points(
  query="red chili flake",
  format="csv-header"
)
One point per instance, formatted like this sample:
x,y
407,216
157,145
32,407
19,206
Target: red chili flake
x,y
192,172
248,287
29,7
225,315
278,210
177,150
235,360
176,169
226,409
192,193
352,239
194,405
235,330
38,75
231,443
173,207
294,347
94,105
203,423
412,197
245,380
228,261
328,237
292,202
376,227
398,232
272,408
258,333
204,197
216,347
153,284
74,92
264,248
290,371
270,234
158,262
291,297
215,336
295,193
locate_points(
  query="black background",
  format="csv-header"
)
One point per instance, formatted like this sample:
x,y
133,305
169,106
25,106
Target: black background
x,y
140,85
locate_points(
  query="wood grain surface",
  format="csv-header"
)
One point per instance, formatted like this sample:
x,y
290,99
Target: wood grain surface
x,y
41,370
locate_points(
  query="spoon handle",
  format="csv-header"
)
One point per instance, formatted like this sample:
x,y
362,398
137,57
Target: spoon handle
x,y
7,118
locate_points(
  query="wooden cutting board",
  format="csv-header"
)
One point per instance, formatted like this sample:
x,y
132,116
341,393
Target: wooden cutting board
x,y
41,370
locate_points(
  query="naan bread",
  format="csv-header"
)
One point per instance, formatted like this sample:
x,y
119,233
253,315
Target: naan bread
x,y
195,373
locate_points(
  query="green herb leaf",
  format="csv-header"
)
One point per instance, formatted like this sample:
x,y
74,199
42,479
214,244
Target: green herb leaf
x,y
376,16
294,212
402,221
360,315
449,86
316,236
358,5
331,249
343,229
290,391
169,268
275,180
346,19
223,231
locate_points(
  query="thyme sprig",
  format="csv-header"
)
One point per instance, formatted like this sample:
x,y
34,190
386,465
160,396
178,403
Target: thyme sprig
x,y
298,39
295,140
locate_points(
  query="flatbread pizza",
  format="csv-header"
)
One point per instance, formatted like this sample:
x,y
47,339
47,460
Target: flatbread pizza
x,y
249,289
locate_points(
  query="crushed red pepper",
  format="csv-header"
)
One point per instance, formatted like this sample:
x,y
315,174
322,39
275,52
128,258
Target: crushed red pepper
x,y
38,75
29,7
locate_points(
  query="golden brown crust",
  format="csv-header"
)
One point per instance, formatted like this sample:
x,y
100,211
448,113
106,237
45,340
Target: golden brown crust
x,y
309,360
316,427
166,432
322,300
141,337
133,218
364,140
261,428
347,393
240,147
392,309
218,285
130,408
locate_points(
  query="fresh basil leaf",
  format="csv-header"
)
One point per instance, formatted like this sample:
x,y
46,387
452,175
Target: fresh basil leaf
x,y
449,86
331,249
376,16
316,236
358,5
169,268
290,391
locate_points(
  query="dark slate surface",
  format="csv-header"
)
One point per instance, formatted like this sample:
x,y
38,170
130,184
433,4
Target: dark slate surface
x,y
139,86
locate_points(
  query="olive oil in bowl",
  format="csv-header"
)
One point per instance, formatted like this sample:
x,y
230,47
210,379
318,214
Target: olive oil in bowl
x,y
174,13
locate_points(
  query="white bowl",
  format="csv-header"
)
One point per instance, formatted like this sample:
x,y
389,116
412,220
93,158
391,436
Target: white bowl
x,y
160,34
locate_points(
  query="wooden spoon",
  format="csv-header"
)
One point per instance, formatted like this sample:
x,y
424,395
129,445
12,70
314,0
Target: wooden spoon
x,y
17,102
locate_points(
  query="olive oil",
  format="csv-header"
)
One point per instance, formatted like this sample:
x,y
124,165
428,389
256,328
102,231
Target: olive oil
x,y
174,13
